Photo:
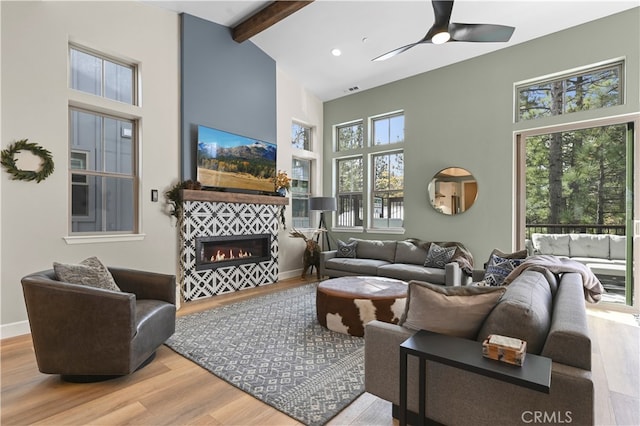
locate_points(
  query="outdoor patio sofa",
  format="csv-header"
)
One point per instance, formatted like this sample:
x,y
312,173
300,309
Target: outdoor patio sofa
x,y
536,307
604,254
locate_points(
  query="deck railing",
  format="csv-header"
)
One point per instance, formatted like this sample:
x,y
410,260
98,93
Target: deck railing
x,y
555,228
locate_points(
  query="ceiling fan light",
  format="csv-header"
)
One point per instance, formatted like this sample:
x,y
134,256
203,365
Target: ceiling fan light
x,y
441,38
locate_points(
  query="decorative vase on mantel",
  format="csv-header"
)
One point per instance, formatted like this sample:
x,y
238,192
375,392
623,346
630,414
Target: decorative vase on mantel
x,y
282,192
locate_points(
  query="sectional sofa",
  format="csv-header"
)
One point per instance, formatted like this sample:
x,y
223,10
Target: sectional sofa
x,y
547,312
403,260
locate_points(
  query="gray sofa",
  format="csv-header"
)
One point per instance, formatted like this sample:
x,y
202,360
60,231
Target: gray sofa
x,y
604,254
548,314
402,260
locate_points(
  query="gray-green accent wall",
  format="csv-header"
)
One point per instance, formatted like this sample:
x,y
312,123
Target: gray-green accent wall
x,y
463,115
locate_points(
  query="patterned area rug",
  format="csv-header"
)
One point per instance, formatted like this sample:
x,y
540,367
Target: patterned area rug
x,y
273,348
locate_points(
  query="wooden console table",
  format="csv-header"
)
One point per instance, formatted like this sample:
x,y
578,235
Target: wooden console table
x,y
465,354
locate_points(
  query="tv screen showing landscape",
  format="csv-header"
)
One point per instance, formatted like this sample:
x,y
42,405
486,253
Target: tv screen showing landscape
x,y
230,161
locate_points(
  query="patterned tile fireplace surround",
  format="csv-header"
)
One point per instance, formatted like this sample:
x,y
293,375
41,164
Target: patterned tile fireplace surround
x,y
231,220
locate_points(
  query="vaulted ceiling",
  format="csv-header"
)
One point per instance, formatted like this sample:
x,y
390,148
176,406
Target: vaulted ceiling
x,y
301,43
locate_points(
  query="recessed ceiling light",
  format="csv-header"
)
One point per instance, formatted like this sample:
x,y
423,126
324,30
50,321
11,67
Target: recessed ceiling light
x,y
336,52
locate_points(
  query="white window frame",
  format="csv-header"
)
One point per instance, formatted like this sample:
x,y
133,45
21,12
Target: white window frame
x,y
300,196
372,190
100,105
337,127
564,75
135,98
367,152
311,131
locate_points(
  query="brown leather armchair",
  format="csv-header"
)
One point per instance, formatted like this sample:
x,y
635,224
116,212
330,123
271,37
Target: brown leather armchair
x,y
85,333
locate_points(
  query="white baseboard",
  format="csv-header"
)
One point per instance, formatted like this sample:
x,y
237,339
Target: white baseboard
x,y
289,274
296,273
14,329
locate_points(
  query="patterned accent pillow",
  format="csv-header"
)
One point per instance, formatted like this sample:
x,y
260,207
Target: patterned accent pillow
x,y
438,256
515,255
498,269
347,249
90,272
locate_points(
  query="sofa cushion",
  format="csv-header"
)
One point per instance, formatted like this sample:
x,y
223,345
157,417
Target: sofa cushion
x,y
455,311
408,272
498,269
355,266
589,245
556,244
90,272
375,249
438,257
524,312
408,252
347,249
617,247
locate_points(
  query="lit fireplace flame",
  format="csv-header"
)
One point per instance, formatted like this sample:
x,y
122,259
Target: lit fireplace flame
x,y
220,255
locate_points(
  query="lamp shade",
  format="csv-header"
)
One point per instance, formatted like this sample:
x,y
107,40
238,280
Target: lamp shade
x,y
324,204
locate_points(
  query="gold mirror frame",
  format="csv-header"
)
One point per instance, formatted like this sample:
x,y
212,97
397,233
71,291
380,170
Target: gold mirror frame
x,y
452,191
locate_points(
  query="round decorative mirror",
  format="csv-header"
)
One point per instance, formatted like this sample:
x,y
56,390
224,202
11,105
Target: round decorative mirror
x,y
453,190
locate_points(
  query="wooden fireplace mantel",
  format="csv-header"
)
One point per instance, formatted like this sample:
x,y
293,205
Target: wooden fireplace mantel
x,y
232,197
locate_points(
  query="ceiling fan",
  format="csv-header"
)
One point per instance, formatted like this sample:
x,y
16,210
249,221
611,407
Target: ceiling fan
x,y
444,31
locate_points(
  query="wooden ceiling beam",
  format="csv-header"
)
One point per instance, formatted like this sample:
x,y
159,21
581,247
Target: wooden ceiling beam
x,y
265,18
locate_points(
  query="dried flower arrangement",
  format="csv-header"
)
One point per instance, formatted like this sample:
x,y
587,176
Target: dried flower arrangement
x,y
282,180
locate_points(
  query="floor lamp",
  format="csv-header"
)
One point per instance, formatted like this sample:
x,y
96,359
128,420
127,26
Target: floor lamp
x,y
323,204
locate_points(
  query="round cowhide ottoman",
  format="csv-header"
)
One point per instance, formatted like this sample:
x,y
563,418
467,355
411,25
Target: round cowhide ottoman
x,y
346,304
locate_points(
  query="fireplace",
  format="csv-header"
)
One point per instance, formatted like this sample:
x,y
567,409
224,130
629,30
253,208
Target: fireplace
x,y
217,252
228,223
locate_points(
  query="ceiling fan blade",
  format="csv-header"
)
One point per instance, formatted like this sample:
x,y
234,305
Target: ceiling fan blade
x,y
480,33
442,11
395,52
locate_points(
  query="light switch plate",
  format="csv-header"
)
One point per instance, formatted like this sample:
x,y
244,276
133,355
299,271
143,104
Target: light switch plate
x,y
154,195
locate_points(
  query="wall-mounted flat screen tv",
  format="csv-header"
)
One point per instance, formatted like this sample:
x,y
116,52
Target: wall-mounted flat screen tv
x,y
229,161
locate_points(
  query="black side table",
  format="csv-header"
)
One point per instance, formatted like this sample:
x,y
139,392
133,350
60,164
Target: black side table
x,y
465,354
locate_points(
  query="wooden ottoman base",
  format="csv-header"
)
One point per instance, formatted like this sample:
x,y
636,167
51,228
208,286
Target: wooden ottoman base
x,y
346,304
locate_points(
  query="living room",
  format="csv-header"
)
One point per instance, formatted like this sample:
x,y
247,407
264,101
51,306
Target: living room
x,y
460,115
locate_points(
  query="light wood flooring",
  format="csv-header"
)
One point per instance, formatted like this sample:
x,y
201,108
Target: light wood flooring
x,y
174,391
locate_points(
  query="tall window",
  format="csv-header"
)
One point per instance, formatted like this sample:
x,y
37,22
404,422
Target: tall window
x,y
383,204
300,192
103,147
388,190
300,136
577,177
596,88
350,186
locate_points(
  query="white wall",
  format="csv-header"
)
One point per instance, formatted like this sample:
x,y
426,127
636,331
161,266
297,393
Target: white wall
x,y
296,103
35,98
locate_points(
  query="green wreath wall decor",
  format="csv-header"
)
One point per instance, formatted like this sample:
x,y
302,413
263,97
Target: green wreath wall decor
x,y
8,161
